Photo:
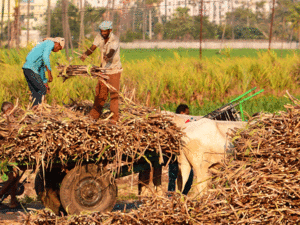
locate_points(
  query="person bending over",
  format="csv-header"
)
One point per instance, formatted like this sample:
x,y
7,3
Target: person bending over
x,y
37,62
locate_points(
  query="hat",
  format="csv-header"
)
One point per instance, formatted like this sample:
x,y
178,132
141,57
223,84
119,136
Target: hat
x,y
59,40
105,25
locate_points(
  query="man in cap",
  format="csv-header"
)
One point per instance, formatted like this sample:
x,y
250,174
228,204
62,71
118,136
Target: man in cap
x,y
110,62
37,62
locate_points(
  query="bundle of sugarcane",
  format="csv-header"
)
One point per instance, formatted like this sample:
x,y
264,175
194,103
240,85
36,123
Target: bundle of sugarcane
x,y
58,133
81,70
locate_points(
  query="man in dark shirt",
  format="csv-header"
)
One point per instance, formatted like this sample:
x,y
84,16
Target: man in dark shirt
x,y
173,165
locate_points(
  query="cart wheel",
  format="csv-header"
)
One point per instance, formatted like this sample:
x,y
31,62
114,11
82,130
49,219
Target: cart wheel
x,y
50,195
87,188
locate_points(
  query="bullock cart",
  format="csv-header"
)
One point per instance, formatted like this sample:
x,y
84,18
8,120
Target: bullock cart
x,y
76,160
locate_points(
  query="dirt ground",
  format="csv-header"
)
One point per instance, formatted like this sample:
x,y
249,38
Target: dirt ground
x,y
127,196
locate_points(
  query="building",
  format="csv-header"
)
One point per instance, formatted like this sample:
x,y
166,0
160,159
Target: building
x,y
215,10
100,3
37,10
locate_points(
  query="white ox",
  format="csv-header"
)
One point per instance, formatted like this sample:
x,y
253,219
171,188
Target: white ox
x,y
205,143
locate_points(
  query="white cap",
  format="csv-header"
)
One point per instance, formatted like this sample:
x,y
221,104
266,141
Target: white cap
x,y
59,40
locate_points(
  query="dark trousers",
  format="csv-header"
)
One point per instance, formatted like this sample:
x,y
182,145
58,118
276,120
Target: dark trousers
x,y
173,171
36,86
101,96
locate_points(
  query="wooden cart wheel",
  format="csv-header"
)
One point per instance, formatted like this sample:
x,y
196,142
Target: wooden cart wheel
x,y
49,195
87,188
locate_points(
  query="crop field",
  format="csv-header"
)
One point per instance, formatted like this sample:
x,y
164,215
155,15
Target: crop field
x,y
163,54
172,76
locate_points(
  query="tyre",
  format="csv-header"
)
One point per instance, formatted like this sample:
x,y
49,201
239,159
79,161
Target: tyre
x,y
87,188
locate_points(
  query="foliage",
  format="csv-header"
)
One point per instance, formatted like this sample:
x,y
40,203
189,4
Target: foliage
x,y
247,33
5,168
92,19
130,36
180,27
158,29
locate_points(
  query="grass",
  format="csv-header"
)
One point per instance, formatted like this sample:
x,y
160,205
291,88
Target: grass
x,y
269,104
173,77
166,54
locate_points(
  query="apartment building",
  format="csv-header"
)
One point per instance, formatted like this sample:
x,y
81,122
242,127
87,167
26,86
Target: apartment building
x,y
100,3
215,10
38,10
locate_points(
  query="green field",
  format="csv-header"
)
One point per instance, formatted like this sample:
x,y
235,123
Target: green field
x,y
173,76
165,54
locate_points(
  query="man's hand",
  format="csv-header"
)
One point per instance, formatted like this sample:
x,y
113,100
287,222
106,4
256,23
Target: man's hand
x,y
83,57
88,52
105,58
50,78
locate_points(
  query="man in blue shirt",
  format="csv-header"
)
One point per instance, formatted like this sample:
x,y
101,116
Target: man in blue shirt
x,y
37,62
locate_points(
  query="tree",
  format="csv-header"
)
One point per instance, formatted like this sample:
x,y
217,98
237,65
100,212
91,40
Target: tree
x,y
149,4
2,15
294,17
245,21
28,18
8,24
92,16
49,20
81,35
181,25
209,30
280,24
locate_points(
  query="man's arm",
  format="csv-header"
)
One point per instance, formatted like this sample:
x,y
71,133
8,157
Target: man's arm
x,y
109,55
88,52
50,78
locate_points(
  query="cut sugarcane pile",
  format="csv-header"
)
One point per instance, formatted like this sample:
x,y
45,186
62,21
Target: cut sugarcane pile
x,y
64,134
262,184
80,70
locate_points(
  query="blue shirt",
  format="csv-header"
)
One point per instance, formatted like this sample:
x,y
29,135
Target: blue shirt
x,y
38,58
